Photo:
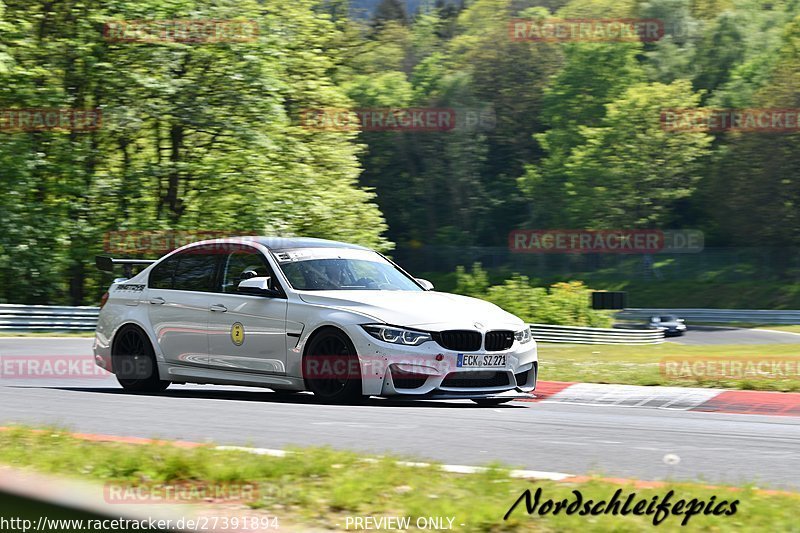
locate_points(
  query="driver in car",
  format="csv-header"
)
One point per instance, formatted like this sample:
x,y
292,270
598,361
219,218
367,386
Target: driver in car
x,y
337,275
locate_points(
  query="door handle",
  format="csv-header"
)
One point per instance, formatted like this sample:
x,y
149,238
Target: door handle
x,y
157,300
218,308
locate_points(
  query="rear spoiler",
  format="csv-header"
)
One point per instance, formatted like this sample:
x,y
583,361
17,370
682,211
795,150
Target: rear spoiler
x,y
106,264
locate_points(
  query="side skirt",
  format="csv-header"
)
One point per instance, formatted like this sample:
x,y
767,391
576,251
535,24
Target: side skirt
x,y
209,376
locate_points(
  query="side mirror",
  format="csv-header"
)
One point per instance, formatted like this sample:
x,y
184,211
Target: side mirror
x,y
258,286
427,285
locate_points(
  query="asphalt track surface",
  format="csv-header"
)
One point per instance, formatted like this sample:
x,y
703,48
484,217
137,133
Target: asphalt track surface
x,y
554,437
707,335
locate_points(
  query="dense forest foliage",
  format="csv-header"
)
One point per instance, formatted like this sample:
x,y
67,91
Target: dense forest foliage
x,y
209,136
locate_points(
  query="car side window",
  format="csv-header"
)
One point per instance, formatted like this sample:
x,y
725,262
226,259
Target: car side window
x,y
195,270
240,264
161,277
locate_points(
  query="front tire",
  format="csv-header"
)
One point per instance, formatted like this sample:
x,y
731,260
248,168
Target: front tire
x,y
133,361
331,368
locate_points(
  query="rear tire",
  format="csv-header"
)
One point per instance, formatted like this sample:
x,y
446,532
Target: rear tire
x,y
331,368
133,361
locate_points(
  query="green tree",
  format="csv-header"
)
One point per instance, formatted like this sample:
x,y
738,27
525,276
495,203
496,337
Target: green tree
x,y
630,171
593,75
389,10
195,136
752,197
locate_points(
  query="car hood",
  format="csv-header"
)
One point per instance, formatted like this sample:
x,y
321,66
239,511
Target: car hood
x,y
429,310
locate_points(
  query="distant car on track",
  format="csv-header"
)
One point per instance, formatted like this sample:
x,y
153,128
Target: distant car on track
x,y
673,326
336,319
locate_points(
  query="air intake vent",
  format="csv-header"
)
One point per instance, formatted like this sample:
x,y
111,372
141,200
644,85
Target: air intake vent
x,y
497,341
461,340
406,380
475,380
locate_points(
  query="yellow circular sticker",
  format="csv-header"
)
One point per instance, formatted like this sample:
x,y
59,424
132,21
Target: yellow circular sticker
x,y
237,333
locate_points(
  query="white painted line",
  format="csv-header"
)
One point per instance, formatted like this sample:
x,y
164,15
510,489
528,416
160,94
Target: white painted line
x,y
255,451
776,331
454,469
538,474
464,469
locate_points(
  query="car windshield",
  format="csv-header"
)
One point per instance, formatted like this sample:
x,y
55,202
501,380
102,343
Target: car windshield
x,y
336,269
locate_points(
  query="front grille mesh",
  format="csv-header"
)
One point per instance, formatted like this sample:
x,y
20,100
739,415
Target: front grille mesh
x,y
474,380
500,340
461,340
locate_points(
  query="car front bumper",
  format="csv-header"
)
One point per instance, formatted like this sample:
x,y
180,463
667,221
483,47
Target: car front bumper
x,y
431,371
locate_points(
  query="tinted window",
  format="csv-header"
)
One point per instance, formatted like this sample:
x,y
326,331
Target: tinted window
x,y
195,271
329,269
241,264
162,274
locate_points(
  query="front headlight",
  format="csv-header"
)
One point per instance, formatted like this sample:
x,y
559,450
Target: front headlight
x,y
523,336
395,335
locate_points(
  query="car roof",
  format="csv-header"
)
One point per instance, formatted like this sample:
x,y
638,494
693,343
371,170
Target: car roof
x,y
287,243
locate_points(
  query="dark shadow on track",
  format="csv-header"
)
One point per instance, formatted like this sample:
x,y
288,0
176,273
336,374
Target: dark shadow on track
x,y
268,396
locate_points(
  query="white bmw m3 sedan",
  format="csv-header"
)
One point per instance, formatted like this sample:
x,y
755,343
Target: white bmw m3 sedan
x,y
336,319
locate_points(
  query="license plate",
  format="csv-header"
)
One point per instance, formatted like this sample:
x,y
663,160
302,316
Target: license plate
x,y
466,360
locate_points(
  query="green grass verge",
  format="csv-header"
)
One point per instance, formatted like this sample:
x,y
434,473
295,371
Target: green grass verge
x,y
319,488
640,365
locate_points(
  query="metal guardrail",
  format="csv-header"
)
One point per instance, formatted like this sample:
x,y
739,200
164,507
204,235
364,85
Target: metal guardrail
x,y
585,335
62,318
47,318
719,316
